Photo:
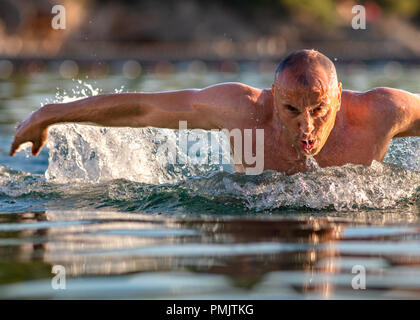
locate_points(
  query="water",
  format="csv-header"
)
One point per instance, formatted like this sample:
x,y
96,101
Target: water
x,y
125,224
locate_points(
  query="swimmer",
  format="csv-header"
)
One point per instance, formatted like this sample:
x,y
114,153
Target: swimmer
x,y
304,114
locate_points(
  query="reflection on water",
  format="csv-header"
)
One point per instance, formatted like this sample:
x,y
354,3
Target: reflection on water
x,y
293,255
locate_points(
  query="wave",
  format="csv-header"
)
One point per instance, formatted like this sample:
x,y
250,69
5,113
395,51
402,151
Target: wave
x,y
350,187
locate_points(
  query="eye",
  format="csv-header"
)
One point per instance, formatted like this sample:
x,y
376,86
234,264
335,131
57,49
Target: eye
x,y
290,108
318,110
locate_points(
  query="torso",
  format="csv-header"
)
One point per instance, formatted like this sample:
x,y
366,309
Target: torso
x,y
354,139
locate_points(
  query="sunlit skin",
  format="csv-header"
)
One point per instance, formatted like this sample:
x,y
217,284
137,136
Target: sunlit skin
x,y
304,113
307,114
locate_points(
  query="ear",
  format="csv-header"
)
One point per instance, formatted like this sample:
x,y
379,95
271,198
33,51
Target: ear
x,y
339,96
272,89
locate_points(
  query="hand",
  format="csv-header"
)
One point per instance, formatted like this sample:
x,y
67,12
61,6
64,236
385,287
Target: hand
x,y
30,130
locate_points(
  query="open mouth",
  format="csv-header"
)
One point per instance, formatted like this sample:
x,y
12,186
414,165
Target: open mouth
x,y
307,144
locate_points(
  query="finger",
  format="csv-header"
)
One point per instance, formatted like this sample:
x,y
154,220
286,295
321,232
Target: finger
x,y
14,147
36,148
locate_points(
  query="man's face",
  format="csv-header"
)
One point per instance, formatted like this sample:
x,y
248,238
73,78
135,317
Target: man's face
x,y
307,112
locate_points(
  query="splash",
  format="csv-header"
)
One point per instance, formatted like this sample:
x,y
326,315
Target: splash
x,y
121,167
347,188
405,152
350,187
97,154
311,164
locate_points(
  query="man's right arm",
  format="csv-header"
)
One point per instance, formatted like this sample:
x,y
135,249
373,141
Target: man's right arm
x,y
217,106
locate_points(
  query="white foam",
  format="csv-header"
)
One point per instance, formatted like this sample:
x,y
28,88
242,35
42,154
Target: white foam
x,y
95,154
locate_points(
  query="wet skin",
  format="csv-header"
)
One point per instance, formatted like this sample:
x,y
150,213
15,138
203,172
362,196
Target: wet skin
x,y
335,127
299,120
348,142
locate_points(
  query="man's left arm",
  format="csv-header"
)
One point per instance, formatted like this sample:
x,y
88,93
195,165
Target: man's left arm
x,y
398,110
410,126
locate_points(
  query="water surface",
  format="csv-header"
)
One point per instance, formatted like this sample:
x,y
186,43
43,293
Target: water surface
x,y
125,224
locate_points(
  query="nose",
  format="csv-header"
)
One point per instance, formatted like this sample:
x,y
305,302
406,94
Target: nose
x,y
306,124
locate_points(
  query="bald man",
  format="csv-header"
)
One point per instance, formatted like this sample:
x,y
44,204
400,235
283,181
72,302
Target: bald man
x,y
305,113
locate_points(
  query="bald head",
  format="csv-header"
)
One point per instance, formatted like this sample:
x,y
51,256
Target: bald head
x,y
307,68
307,98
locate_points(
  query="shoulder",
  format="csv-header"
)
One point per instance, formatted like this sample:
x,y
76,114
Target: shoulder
x,y
392,96
385,109
374,97
229,90
233,102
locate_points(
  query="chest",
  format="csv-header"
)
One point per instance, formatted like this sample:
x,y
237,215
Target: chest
x,y
355,145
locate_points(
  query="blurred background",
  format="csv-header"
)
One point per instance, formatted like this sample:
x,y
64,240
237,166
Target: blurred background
x,y
102,34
